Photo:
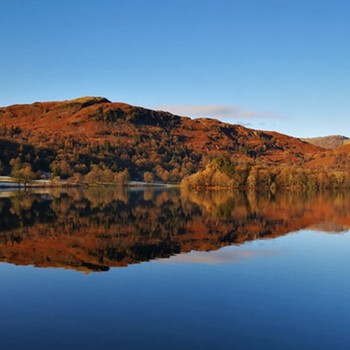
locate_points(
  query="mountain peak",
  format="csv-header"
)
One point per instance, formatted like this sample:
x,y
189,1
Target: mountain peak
x,y
88,100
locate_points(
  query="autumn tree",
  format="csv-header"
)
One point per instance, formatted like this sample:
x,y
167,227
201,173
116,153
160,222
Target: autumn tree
x,y
61,168
23,173
94,175
148,177
76,178
107,176
122,177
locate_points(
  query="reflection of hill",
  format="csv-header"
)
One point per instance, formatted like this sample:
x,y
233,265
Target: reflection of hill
x,y
100,228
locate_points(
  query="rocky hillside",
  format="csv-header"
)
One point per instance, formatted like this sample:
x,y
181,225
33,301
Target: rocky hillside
x,y
338,159
71,136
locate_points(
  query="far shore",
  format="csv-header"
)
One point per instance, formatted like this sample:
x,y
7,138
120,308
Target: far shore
x,y
7,182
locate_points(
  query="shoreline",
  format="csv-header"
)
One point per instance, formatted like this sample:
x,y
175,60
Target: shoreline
x,y
11,184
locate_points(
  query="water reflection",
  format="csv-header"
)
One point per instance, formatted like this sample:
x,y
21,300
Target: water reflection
x,y
98,228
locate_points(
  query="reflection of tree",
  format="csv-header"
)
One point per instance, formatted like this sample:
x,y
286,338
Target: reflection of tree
x,y
100,227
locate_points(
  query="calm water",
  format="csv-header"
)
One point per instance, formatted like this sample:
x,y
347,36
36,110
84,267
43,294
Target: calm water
x,y
139,269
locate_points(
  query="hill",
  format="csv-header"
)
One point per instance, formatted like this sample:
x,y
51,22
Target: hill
x,y
328,142
81,135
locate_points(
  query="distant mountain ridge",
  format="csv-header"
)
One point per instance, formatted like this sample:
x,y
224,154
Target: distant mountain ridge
x,y
328,142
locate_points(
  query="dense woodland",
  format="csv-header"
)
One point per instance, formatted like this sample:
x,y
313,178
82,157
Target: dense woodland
x,y
223,173
91,140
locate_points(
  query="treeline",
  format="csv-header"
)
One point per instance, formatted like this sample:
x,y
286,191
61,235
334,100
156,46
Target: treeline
x,y
223,173
162,156
23,173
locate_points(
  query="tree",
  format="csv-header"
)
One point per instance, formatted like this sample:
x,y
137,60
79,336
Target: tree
x,y
76,178
94,175
107,176
23,173
27,174
122,177
61,169
252,178
148,177
16,169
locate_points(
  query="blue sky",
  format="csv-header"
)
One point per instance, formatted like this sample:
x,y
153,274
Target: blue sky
x,y
271,64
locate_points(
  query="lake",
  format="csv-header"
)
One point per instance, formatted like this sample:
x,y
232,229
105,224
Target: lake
x,y
169,269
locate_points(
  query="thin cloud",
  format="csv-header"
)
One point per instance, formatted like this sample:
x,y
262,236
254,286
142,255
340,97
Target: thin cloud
x,y
216,111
